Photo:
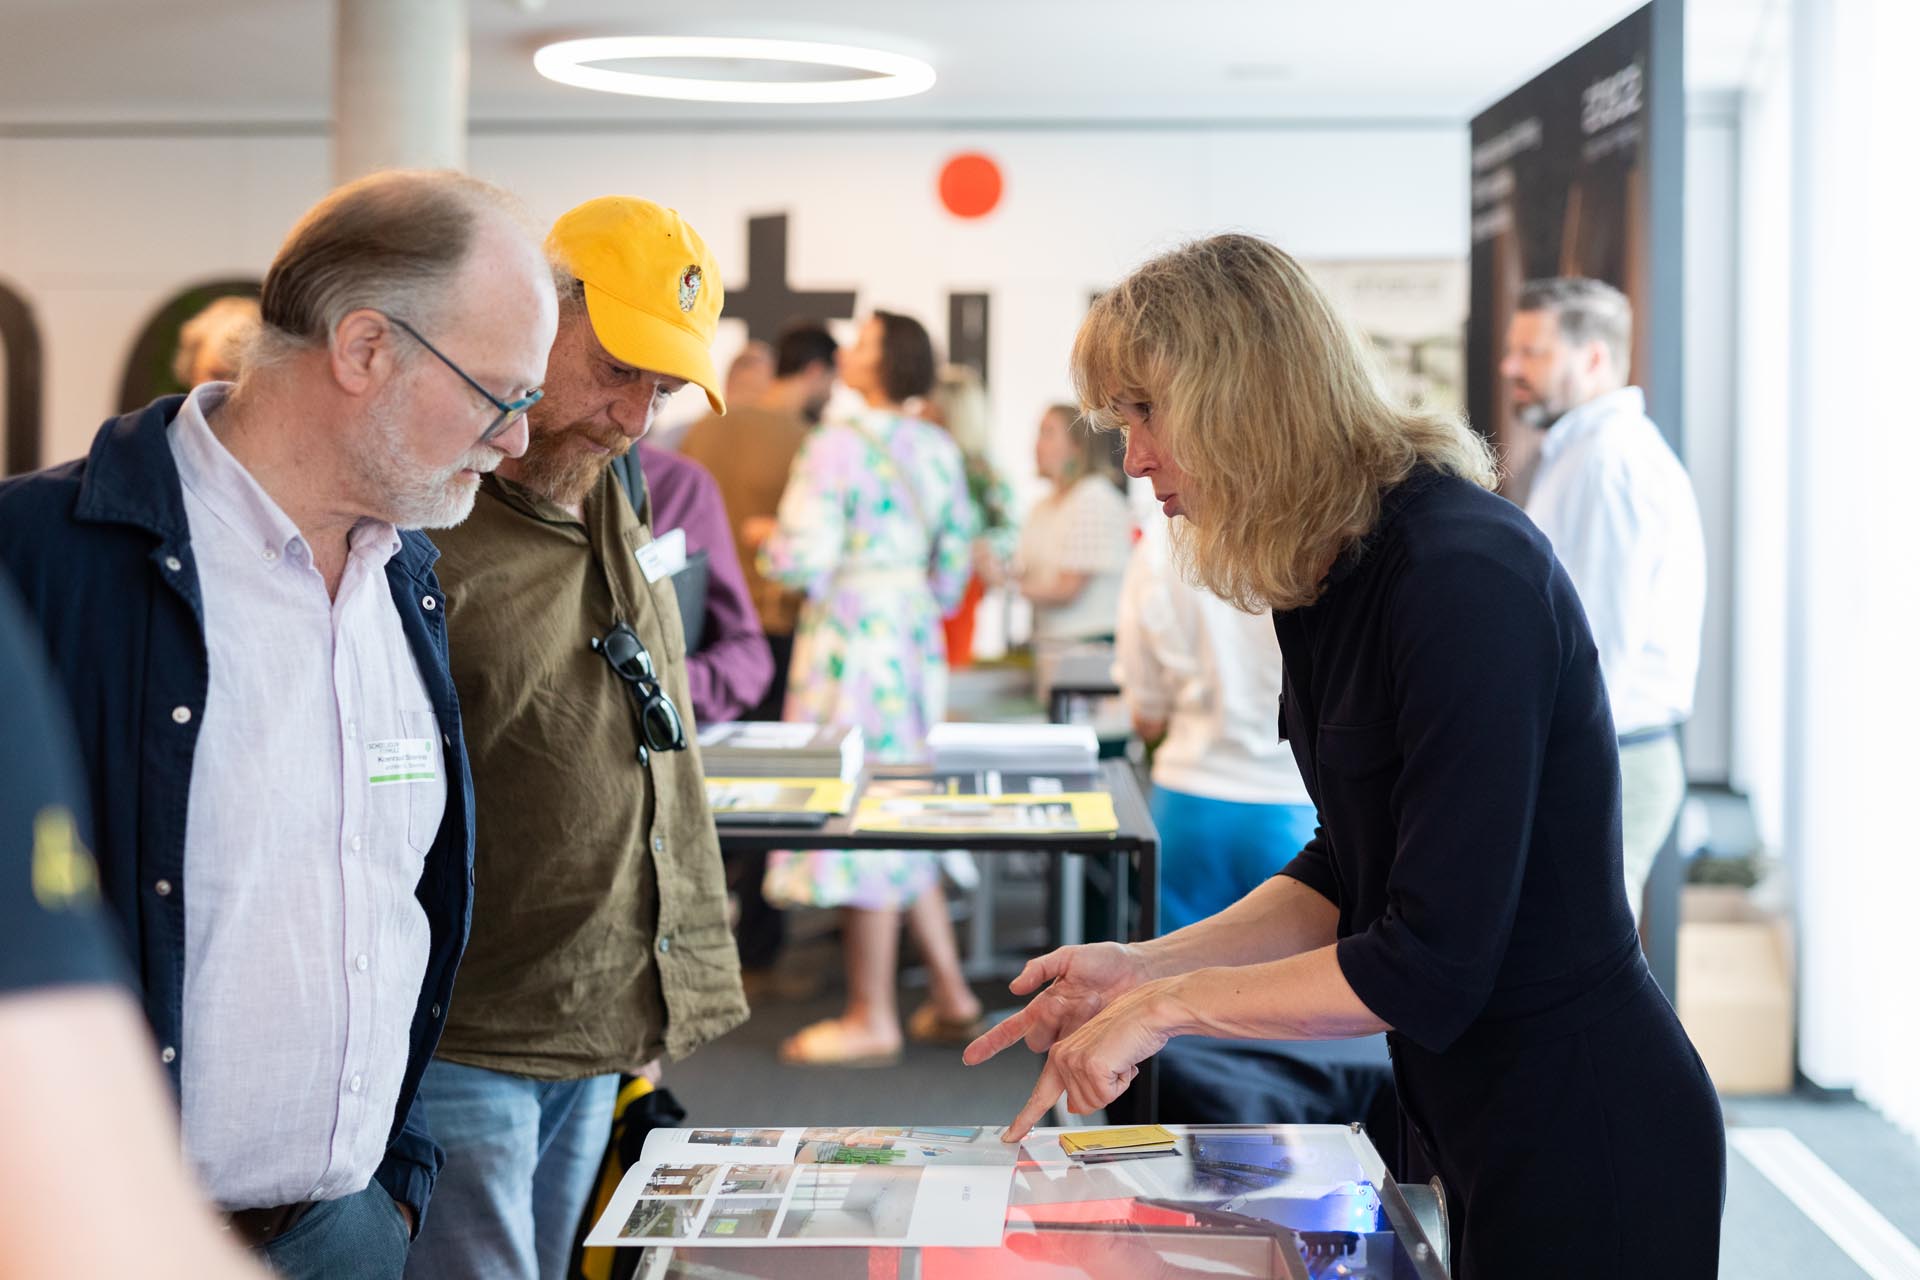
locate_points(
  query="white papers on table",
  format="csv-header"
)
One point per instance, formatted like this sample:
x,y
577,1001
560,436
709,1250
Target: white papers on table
x,y
782,1188
1043,748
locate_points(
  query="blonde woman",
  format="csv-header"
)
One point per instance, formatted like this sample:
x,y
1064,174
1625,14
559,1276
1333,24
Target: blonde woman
x,y
1444,700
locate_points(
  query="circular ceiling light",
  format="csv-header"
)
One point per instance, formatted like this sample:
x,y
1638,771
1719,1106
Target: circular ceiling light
x,y
881,74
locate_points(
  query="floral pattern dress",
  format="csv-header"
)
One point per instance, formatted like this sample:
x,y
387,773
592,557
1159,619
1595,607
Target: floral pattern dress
x,y
876,527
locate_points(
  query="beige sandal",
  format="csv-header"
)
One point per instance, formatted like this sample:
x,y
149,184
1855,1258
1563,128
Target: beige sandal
x,y
929,1026
824,1044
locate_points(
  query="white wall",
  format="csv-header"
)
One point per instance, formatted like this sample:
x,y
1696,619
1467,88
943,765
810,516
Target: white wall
x,y
1711,428
1848,457
99,232
1757,756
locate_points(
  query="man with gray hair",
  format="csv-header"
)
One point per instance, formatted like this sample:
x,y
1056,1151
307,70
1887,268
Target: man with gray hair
x,y
1618,507
247,624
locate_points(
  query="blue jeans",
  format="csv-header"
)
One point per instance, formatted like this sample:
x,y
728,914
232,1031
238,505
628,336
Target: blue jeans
x,y
1215,852
357,1237
521,1159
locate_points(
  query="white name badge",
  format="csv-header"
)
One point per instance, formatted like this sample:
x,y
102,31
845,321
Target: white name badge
x,y
665,556
392,760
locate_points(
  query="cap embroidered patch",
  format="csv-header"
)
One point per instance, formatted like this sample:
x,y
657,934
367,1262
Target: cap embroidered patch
x,y
689,288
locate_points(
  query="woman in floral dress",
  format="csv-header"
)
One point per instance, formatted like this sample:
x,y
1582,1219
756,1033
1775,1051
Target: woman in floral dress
x,y
876,527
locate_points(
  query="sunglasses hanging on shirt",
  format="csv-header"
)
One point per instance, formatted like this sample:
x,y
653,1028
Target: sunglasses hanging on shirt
x,y
661,728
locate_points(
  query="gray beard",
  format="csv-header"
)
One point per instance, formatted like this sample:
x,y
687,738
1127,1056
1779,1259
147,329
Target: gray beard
x,y
405,495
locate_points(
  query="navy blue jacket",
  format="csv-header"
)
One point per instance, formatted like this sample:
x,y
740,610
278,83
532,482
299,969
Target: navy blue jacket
x,y
101,554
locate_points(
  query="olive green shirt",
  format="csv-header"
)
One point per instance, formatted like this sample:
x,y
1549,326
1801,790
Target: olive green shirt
x,y
599,919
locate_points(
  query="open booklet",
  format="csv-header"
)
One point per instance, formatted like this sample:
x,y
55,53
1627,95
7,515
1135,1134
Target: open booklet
x,y
840,1186
990,802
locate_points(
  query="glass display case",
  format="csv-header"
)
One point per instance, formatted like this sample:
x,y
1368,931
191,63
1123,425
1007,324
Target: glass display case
x,y
1290,1202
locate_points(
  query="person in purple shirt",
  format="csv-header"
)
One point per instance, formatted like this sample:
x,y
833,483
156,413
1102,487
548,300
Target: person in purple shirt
x,y
733,666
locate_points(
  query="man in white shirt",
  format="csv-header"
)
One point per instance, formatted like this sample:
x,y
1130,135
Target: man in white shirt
x,y
1618,507
240,604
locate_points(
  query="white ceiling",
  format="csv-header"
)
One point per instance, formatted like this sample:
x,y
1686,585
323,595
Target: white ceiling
x,y
236,61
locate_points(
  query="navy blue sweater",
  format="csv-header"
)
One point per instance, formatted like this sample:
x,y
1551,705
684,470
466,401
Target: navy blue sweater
x,y
1444,700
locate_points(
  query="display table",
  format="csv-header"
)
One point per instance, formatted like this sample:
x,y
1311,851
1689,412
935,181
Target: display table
x,y
1292,1201
1132,850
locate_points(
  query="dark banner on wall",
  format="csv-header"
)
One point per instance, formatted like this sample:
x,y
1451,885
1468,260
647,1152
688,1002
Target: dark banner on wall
x,y
1578,172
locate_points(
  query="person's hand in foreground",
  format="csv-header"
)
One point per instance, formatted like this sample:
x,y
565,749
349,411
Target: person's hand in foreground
x,y
1082,985
1095,1064
1079,982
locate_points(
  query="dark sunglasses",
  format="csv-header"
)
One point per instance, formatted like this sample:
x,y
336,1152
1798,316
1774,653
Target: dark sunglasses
x,y
661,728
509,409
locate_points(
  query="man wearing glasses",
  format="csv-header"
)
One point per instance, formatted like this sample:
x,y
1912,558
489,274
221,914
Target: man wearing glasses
x,y
247,626
600,936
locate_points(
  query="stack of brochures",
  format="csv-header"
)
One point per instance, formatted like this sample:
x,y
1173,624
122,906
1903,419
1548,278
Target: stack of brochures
x,y
765,773
1032,748
1095,1146
772,749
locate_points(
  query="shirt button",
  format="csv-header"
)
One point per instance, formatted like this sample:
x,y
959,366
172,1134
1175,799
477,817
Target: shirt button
x,y
353,728
355,1083
666,945
163,887
360,963
426,602
167,1054
182,714
173,564
659,845
354,844
269,555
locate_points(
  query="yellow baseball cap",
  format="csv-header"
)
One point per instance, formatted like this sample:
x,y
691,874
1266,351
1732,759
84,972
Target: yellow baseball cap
x,y
653,291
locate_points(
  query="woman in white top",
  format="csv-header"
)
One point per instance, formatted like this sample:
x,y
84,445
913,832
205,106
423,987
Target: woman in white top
x,y
1073,551
1203,679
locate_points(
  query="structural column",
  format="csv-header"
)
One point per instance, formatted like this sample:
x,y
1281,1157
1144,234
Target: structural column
x,y
400,86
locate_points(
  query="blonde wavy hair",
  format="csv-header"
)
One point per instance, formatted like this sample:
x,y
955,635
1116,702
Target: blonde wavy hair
x,y
1270,403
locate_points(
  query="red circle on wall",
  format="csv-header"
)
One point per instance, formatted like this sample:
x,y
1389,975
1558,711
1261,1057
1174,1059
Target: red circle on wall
x,y
970,185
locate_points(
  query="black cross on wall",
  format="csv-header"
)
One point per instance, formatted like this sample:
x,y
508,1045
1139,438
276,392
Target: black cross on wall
x,y
765,300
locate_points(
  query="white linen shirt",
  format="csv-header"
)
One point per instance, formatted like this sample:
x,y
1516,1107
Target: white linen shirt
x,y
1185,656
1619,509
305,945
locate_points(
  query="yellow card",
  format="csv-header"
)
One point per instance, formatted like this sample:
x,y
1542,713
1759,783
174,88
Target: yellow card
x,y
1088,1141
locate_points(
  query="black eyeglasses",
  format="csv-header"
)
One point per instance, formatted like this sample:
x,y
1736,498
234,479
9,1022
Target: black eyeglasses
x,y
509,409
661,728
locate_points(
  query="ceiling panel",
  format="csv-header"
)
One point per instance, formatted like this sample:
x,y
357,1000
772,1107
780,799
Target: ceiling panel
x,y
1039,61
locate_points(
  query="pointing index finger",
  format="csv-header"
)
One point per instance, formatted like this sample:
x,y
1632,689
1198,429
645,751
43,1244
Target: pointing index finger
x,y
1045,1094
998,1037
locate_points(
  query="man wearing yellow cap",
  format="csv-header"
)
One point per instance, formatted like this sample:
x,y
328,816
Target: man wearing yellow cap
x,y
600,936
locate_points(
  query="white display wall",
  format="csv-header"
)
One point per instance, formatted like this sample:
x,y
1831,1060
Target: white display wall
x,y
98,232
